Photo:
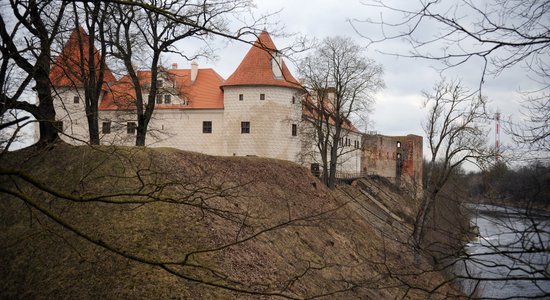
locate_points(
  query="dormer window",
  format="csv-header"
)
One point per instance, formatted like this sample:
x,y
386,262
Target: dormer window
x,y
167,99
277,65
159,83
159,99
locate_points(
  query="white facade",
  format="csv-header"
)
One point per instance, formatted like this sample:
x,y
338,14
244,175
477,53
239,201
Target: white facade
x,y
349,149
270,121
257,111
270,132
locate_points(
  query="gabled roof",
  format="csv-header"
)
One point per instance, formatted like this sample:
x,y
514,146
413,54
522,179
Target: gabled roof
x,y
255,68
204,93
66,71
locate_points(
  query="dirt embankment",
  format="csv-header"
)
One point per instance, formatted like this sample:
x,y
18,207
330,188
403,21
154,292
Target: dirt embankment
x,y
117,223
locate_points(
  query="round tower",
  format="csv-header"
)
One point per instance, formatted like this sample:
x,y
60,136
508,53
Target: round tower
x,y
262,107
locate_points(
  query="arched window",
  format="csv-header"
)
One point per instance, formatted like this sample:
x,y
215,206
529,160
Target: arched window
x,y
398,155
398,144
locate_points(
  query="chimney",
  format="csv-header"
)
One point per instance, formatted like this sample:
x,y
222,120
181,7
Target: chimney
x,y
174,66
194,70
277,65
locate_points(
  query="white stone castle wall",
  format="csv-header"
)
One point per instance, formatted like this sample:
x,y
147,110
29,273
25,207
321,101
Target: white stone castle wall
x,y
350,157
73,115
270,127
270,122
349,160
119,124
181,129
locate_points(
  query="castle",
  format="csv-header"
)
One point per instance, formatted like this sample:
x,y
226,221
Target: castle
x,y
257,111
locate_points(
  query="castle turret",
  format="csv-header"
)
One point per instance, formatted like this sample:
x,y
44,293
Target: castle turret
x,y
262,107
69,72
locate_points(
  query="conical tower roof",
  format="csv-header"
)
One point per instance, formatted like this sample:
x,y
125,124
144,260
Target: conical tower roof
x,y
66,71
256,67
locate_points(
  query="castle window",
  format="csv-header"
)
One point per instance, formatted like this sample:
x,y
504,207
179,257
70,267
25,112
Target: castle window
x,y
398,155
76,99
293,99
294,130
159,83
167,99
159,99
262,96
245,127
241,97
398,144
206,126
106,127
131,127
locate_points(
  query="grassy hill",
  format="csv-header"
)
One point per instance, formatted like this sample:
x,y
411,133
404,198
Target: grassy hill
x,y
139,223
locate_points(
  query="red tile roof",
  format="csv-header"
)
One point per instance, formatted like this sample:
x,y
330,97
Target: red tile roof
x,y
204,93
66,71
255,68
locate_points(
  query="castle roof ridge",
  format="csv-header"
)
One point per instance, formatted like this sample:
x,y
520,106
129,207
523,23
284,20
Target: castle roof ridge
x,y
256,67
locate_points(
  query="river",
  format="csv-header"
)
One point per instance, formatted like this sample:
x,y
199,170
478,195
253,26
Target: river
x,y
510,258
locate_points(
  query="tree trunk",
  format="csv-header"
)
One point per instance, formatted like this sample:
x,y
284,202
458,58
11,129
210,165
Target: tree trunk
x,y
422,219
334,154
332,170
93,126
46,111
325,168
92,115
141,132
427,202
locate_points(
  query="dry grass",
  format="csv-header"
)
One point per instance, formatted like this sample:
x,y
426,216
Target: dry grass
x,y
258,225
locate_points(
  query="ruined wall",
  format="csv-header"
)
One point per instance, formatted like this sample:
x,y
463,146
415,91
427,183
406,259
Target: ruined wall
x,y
398,158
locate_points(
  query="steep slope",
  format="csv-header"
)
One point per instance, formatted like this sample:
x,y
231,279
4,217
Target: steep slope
x,y
116,223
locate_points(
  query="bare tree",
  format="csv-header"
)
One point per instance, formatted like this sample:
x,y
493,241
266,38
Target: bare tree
x,y
341,82
495,35
93,72
27,31
158,30
456,134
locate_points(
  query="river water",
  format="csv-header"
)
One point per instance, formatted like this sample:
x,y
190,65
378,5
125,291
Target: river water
x,y
510,258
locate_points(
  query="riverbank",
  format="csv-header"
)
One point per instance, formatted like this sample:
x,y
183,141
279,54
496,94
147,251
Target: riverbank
x,y
533,206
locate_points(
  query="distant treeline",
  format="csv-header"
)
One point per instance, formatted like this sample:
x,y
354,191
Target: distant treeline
x,y
529,184
522,185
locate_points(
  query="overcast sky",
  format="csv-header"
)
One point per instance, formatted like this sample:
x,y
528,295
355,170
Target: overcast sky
x,y
398,109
